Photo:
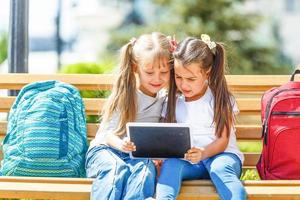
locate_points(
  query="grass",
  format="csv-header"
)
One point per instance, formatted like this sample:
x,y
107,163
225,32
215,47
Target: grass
x,y
250,174
250,146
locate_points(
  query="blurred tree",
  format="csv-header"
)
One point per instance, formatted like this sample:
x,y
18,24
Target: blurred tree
x,y
3,47
105,66
223,20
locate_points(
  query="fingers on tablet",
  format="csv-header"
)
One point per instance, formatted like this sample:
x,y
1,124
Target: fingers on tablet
x,y
129,146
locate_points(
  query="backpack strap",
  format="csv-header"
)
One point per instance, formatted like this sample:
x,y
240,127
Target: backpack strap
x,y
297,71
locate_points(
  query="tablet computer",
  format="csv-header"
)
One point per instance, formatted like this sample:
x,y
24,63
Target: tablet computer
x,y
159,140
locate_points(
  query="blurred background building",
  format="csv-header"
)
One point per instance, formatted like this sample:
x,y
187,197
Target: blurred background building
x,y
281,17
91,31
83,28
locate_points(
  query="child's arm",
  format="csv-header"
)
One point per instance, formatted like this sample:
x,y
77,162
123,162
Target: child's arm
x,y
195,155
107,136
123,145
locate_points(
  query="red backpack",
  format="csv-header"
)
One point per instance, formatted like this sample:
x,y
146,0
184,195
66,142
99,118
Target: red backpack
x,y
280,113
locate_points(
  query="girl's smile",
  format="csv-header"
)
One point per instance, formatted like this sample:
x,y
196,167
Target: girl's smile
x,y
153,77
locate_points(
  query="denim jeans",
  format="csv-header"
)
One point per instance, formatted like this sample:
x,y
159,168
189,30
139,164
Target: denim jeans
x,y
223,169
117,176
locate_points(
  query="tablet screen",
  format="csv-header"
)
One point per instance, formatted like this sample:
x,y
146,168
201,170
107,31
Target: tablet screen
x,y
159,140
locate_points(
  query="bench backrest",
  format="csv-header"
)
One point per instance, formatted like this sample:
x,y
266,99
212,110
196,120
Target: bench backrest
x,y
246,88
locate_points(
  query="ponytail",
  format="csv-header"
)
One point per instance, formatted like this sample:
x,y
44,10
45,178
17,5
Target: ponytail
x,y
211,58
123,98
171,104
223,114
135,54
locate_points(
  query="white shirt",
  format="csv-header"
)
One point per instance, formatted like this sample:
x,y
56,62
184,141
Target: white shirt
x,y
148,110
199,115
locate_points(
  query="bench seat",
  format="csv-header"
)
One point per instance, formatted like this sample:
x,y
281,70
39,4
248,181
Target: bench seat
x,y
246,88
79,188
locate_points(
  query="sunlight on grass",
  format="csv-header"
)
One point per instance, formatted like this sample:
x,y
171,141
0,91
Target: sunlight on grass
x,y
248,146
250,174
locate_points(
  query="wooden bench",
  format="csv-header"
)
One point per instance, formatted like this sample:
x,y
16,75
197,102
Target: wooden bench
x,y
247,90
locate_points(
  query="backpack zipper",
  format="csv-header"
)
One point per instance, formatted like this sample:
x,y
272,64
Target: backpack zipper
x,y
286,113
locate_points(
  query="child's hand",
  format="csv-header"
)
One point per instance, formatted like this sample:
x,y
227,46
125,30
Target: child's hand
x,y
194,155
157,163
127,145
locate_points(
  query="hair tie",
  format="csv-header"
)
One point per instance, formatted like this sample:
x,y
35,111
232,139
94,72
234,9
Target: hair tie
x,y
173,43
211,44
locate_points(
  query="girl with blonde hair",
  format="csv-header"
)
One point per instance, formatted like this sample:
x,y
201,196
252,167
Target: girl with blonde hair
x,y
144,70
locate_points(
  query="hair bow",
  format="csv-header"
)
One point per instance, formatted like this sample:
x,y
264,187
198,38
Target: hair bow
x,y
173,43
206,39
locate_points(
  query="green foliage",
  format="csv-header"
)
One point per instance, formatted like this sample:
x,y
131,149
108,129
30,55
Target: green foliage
x,y
250,146
223,20
90,68
250,174
3,46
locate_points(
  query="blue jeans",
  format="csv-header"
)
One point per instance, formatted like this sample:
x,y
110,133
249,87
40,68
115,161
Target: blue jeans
x,y
117,176
223,169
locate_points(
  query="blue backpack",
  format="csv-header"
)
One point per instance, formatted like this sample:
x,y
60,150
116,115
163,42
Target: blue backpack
x,y
46,133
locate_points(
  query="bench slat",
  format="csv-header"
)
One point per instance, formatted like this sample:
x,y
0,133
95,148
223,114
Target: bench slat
x,y
244,132
69,188
21,179
3,128
105,81
45,190
253,192
250,159
250,83
25,179
247,183
94,106
248,132
82,81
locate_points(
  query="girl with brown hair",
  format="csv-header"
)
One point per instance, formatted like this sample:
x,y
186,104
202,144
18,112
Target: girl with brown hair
x,y
205,103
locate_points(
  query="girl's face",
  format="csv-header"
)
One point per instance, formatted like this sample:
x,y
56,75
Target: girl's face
x,y
191,80
154,76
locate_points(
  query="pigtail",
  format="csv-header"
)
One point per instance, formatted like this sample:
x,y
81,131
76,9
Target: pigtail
x,y
172,91
171,104
123,98
135,54
223,114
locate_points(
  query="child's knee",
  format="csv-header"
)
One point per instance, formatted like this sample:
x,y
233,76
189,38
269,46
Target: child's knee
x,y
171,162
145,165
217,170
